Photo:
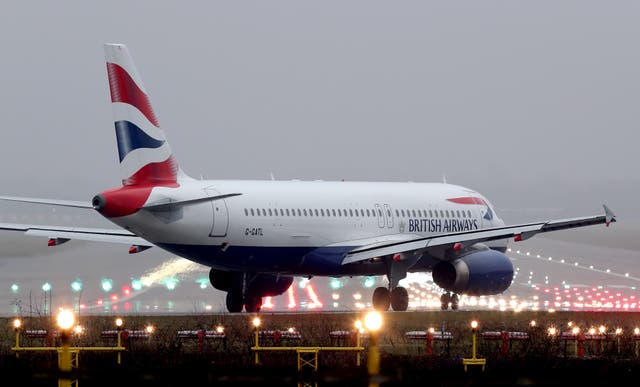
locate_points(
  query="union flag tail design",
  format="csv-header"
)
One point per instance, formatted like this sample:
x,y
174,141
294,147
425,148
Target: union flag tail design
x,y
145,155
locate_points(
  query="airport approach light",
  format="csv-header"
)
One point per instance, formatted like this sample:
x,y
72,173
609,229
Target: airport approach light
x,y
17,323
78,329
14,288
119,322
66,319
46,287
602,329
373,321
149,329
474,325
256,322
575,330
552,331
618,331
219,329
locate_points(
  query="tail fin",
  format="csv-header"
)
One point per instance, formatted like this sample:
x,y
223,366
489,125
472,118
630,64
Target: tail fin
x,y
145,155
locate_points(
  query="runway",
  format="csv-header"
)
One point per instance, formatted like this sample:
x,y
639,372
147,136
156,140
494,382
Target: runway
x,y
586,269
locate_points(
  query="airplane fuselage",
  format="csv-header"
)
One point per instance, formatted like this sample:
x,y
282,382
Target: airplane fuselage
x,y
304,227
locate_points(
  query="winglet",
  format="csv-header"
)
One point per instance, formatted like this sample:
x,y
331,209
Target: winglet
x,y
609,215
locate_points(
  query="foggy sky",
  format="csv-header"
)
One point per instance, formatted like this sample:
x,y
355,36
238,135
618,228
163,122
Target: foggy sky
x,y
533,104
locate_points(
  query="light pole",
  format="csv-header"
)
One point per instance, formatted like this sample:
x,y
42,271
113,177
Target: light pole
x,y
359,329
373,323
474,360
66,320
119,324
256,324
17,323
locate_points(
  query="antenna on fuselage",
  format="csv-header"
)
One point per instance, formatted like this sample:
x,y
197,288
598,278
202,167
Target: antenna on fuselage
x,y
272,177
444,178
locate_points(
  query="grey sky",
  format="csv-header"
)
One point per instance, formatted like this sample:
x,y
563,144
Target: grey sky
x,y
534,104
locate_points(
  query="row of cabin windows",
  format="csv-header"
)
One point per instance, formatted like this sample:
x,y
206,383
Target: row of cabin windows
x,y
357,212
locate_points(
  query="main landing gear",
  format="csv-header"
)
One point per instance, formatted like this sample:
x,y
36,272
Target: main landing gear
x,y
251,302
397,298
394,296
449,298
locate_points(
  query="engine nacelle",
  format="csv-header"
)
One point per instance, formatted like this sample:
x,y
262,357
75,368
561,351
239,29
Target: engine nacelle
x,y
480,272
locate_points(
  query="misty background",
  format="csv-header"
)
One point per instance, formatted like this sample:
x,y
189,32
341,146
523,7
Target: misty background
x,y
533,104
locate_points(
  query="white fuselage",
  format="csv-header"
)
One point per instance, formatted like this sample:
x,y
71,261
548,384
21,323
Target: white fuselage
x,y
302,227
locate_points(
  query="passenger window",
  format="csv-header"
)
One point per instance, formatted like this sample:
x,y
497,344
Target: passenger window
x,y
333,211
252,212
246,213
287,212
304,211
270,212
264,212
350,212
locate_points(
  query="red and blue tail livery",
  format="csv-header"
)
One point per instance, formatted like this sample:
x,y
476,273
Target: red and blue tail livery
x,y
256,236
145,155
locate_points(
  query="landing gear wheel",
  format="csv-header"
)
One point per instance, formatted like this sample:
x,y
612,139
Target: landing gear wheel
x,y
234,302
399,299
454,302
381,299
252,304
444,301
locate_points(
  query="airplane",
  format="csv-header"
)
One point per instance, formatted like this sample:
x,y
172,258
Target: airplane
x,y
257,235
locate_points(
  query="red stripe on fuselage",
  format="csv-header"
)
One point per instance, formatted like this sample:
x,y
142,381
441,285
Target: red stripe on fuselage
x,y
124,89
468,200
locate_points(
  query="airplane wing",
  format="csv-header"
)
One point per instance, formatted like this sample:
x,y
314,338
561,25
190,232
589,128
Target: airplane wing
x,y
467,238
63,234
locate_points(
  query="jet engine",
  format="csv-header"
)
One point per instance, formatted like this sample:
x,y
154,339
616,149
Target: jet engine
x,y
479,272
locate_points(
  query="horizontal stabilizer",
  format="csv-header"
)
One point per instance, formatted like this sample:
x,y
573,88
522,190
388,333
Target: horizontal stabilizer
x,y
53,202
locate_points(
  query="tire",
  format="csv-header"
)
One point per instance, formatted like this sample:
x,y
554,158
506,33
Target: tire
x,y
381,299
234,302
253,304
399,299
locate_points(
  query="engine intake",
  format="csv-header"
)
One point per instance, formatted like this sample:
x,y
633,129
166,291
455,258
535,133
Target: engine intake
x,y
481,272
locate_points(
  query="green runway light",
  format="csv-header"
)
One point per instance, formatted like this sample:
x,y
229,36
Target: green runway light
x,y
76,286
136,284
335,284
15,288
204,282
107,284
46,287
171,283
369,282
